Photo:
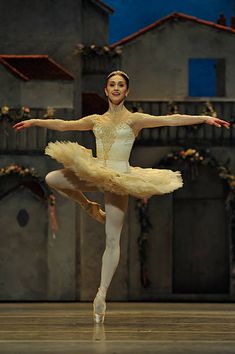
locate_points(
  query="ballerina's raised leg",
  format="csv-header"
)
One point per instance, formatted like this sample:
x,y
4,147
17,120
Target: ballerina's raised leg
x,y
69,185
115,209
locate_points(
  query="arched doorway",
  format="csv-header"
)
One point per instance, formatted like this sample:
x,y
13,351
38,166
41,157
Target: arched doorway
x,y
201,230
24,200
23,247
188,254
200,235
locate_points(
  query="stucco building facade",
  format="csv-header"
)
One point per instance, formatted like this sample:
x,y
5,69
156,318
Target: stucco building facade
x,y
157,57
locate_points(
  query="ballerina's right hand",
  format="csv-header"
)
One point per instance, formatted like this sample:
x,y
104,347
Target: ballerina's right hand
x,y
23,125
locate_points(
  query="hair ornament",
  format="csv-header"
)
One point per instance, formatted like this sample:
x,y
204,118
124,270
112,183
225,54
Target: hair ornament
x,y
116,72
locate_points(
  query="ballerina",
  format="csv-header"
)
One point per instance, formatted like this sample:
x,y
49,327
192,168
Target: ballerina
x,y
110,172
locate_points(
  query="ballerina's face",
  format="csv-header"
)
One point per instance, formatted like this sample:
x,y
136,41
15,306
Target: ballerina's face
x,y
116,89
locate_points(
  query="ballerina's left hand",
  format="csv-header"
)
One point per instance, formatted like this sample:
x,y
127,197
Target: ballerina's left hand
x,y
217,122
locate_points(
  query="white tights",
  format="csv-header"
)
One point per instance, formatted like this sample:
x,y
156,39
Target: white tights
x,y
115,208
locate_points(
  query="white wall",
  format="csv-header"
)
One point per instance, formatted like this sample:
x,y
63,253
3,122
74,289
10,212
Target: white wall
x,y
157,61
44,93
10,94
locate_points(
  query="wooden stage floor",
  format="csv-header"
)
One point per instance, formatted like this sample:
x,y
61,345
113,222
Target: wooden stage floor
x,y
138,328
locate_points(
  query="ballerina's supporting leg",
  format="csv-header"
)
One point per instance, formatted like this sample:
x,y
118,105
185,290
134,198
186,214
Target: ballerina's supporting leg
x,y
115,209
69,185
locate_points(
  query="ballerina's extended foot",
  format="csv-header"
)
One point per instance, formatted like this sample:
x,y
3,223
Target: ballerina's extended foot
x,y
99,307
93,209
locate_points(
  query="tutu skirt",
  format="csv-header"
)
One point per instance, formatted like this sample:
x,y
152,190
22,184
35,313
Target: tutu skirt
x,y
138,182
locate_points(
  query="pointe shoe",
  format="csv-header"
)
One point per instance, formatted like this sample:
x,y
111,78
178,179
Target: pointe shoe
x,y
93,209
99,318
99,308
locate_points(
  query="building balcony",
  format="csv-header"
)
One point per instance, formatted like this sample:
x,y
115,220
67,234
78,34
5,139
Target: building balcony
x,y
197,135
201,135
35,139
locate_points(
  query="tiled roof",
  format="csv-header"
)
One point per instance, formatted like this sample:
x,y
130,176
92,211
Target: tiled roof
x,y
103,6
173,16
35,67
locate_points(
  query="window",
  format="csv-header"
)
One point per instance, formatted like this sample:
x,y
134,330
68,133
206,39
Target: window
x,y
206,77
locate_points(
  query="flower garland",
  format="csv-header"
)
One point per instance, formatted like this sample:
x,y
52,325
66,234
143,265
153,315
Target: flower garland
x,y
26,175
191,157
95,50
194,158
145,227
209,110
6,115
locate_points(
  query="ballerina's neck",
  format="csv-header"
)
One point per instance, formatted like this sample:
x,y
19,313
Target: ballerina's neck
x,y
116,108
117,112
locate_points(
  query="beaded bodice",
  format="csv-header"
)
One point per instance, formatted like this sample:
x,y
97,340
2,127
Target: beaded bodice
x,y
114,139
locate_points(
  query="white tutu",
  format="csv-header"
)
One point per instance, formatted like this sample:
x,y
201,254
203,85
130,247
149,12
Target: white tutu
x,y
138,182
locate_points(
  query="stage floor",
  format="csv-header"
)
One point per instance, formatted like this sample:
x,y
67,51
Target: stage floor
x,y
138,328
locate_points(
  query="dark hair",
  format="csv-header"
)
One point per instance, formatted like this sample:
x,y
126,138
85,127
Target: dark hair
x,y
121,73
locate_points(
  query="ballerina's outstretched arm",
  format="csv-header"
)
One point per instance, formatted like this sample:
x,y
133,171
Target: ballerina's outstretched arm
x,y
142,120
85,123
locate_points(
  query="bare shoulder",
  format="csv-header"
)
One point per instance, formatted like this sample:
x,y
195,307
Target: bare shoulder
x,y
135,117
91,117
